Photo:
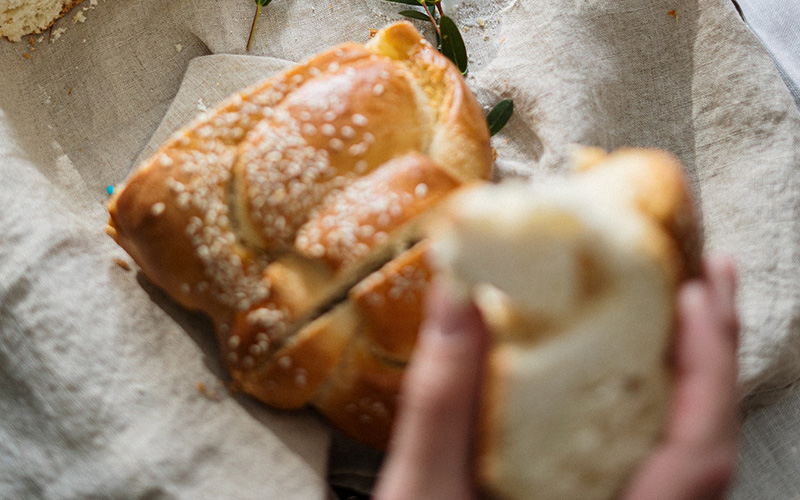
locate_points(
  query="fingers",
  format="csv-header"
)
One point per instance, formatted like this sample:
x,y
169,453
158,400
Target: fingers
x,y
698,456
430,453
706,369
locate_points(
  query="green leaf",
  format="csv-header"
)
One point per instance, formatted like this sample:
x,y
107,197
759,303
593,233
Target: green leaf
x,y
414,14
406,2
452,43
263,3
499,115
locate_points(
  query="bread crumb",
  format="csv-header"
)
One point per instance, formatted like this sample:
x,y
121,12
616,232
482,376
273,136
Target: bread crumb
x,y
201,105
69,92
481,22
372,32
178,47
121,263
56,34
673,13
79,18
93,2
208,393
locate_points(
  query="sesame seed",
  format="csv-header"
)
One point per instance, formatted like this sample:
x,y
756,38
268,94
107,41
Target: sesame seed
x,y
374,299
248,361
309,129
233,357
421,190
385,75
185,288
348,132
357,149
366,231
360,120
379,409
305,116
329,116
333,67
234,341
158,208
381,237
285,362
361,166
369,138
317,250
350,71
336,144
314,71
300,379
328,129
165,161
364,418
183,200
378,89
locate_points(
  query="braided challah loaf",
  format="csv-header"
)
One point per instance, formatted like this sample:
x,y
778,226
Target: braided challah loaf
x,y
291,216
576,279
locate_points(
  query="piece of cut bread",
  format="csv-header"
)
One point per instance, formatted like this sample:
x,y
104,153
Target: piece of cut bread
x,y
577,279
25,17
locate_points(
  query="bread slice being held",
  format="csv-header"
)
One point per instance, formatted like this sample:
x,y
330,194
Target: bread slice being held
x,y
577,279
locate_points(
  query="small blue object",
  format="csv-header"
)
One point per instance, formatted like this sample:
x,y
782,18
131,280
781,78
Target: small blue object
x,y
110,190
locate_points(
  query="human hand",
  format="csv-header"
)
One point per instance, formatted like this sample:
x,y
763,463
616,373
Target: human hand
x,y
430,456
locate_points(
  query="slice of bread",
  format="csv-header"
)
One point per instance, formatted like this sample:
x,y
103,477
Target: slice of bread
x,y
24,17
576,278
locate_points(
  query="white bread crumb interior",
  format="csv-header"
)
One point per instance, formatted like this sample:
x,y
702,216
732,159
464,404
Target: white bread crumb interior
x,y
24,17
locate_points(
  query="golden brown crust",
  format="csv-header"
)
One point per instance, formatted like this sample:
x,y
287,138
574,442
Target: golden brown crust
x,y
391,302
266,211
361,396
661,193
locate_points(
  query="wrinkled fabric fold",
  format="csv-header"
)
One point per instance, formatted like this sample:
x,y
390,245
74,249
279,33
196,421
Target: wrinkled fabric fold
x,y
99,370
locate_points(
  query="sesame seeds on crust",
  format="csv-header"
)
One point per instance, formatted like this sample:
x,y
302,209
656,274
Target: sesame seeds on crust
x,y
316,170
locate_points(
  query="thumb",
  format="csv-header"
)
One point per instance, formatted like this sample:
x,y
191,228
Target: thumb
x,y
430,454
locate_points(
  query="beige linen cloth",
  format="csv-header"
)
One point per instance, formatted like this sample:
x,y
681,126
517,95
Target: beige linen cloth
x,y
110,390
